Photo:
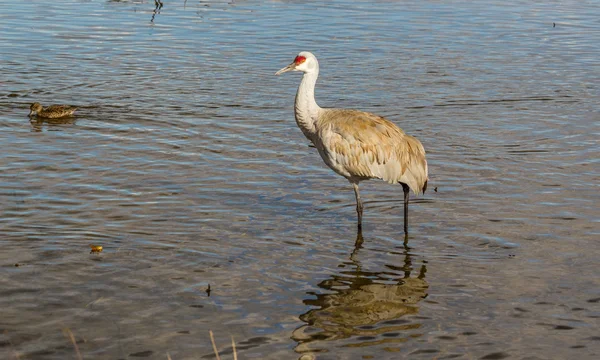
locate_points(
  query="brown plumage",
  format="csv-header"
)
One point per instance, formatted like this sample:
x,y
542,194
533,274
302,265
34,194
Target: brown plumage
x,y
366,146
52,111
355,144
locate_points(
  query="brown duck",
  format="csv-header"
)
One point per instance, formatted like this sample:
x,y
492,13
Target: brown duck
x,y
52,111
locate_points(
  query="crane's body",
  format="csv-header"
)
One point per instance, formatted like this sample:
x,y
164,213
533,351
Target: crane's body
x,y
355,144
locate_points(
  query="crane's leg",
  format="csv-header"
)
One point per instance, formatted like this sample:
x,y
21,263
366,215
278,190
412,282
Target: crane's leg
x,y
406,190
357,245
359,205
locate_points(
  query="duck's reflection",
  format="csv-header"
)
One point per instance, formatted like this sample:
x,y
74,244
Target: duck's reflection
x,y
363,306
37,125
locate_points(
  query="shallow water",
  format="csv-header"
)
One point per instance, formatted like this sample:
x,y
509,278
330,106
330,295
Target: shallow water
x,y
184,162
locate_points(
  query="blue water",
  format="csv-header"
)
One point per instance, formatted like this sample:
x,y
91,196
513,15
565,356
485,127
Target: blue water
x,y
184,162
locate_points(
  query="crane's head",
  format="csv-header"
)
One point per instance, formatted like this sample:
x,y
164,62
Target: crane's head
x,y
305,62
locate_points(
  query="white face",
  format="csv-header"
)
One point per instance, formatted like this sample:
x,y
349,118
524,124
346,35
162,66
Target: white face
x,y
305,62
309,64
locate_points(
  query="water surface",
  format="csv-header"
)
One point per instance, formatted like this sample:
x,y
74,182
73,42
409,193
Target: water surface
x,y
184,162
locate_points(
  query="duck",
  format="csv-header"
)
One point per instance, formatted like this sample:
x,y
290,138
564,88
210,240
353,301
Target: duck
x,y
52,111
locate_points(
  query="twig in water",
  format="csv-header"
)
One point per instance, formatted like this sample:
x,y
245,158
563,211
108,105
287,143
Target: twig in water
x,y
68,333
214,345
212,339
233,346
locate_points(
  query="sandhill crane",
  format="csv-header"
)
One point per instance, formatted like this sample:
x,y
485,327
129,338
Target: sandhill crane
x,y
355,144
52,111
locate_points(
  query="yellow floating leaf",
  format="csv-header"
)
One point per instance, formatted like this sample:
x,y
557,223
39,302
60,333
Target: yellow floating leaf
x,y
96,248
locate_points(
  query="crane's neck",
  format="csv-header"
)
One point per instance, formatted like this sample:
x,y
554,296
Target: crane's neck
x,y
306,108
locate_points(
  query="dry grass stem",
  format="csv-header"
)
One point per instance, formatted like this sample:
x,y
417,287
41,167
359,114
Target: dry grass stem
x,y
68,333
212,339
233,346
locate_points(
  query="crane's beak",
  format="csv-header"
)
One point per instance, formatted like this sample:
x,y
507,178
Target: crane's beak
x,y
290,67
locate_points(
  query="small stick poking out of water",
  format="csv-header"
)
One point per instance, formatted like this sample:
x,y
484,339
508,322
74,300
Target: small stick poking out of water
x,y
212,340
233,347
208,290
69,334
214,345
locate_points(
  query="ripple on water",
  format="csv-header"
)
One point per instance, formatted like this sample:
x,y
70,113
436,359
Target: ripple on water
x,y
185,164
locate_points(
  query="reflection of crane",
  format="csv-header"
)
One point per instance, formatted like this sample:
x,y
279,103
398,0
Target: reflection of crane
x,y
361,303
356,144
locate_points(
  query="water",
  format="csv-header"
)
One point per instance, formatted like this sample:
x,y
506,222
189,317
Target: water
x,y
184,162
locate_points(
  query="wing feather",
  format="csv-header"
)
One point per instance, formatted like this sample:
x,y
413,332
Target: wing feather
x,y
357,144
